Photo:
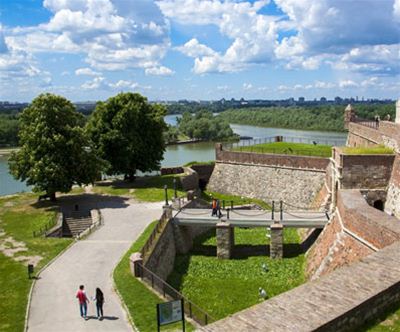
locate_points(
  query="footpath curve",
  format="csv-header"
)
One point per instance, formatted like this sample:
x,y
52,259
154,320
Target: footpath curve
x,y
90,262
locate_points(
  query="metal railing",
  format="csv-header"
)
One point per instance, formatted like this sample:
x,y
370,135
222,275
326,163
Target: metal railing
x,y
167,291
374,124
331,141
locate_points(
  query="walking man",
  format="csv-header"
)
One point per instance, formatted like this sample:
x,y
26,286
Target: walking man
x,y
83,301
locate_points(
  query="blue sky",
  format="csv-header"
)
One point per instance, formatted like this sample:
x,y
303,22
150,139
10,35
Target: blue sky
x,y
200,49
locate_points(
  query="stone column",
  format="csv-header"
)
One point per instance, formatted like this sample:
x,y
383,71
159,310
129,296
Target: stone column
x,y
168,211
225,240
276,246
397,120
134,261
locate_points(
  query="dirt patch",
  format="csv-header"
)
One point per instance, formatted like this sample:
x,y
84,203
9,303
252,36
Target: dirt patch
x,y
10,248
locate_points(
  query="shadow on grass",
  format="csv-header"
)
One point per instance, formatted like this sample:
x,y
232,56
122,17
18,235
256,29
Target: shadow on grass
x,y
83,202
157,181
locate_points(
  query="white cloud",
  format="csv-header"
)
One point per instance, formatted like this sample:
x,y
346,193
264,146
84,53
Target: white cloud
x,y
159,71
98,83
253,35
347,84
194,49
247,86
86,71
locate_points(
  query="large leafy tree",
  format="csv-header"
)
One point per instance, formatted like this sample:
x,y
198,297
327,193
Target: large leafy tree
x,y
127,132
55,152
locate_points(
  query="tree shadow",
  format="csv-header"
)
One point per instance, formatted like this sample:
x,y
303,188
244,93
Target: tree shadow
x,y
83,202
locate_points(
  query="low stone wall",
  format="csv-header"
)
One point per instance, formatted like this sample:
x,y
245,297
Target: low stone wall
x,y
360,135
294,186
355,231
190,181
162,258
296,162
171,170
344,300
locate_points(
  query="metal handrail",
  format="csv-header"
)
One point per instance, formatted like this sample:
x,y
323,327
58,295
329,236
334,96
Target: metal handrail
x,y
162,287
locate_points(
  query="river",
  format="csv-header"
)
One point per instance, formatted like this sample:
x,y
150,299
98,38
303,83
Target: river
x,y
176,155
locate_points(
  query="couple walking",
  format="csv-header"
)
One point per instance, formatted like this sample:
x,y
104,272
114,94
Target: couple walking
x,y
83,301
216,208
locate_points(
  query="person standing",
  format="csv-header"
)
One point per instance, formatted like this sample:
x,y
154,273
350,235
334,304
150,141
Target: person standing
x,y
218,209
214,207
83,301
99,303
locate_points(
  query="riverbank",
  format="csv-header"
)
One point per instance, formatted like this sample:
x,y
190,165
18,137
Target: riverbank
x,y
7,151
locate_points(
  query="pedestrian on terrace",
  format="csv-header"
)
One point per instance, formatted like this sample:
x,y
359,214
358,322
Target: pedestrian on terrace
x,y
214,207
218,209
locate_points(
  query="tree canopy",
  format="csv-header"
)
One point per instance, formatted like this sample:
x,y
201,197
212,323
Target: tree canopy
x,y
55,152
203,125
127,133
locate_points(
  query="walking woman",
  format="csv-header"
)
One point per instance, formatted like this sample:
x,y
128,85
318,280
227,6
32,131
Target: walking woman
x,y
99,302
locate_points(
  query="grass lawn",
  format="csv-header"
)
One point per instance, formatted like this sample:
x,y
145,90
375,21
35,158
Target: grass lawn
x,y
289,148
19,217
378,149
223,287
237,200
148,188
141,302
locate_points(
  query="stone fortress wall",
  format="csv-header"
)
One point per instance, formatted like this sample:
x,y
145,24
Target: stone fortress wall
x,y
292,179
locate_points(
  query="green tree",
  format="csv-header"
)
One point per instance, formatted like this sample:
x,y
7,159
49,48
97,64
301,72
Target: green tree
x,y
127,133
54,153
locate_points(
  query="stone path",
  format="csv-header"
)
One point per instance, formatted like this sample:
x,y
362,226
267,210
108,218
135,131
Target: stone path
x,y
90,262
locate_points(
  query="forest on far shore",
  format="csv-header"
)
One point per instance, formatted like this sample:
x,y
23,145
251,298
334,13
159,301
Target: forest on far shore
x,y
324,118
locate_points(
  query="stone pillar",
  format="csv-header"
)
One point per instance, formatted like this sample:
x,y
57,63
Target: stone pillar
x,y
276,246
167,209
397,120
225,240
349,115
134,261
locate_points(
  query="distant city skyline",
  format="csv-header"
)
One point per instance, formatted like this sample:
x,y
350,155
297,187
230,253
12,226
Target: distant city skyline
x,y
89,50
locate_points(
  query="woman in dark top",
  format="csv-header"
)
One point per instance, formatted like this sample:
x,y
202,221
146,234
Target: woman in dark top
x,y
99,302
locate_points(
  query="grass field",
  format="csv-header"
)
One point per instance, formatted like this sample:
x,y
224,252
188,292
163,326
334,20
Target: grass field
x,y
223,287
19,217
140,301
147,189
378,149
289,148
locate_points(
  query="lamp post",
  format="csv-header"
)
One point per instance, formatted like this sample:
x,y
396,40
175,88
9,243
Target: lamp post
x,y
166,194
175,195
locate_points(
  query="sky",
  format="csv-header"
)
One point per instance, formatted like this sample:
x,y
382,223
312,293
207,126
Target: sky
x,y
200,49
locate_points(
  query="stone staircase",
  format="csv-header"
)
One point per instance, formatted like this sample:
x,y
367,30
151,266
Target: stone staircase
x,y
76,223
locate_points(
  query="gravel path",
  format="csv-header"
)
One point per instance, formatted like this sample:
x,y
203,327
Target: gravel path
x,y
90,262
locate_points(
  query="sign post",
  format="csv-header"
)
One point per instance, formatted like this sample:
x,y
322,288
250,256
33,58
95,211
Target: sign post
x,y
170,312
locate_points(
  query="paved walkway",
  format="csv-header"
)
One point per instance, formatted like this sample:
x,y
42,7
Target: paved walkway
x,y
90,262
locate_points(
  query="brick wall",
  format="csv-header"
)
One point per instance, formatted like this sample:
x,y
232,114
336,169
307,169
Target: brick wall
x,y
365,171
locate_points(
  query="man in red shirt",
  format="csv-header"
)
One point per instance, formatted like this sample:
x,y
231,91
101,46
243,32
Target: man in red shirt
x,y
83,300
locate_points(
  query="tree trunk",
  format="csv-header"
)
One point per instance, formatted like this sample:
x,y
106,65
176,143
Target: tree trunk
x,y
52,196
131,176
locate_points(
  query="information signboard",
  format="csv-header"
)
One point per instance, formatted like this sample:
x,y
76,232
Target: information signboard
x,y
170,312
